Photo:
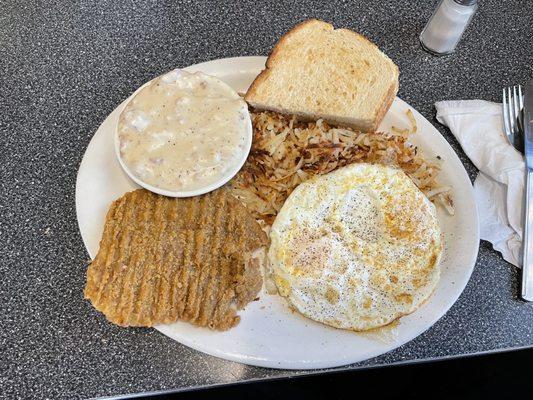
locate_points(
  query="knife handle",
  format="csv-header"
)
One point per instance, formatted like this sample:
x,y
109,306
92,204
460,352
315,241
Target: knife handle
x,y
527,260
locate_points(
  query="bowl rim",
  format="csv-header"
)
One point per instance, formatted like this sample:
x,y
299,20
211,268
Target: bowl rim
x,y
183,193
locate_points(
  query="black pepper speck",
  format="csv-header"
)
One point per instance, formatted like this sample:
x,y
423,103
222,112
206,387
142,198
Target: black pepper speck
x,y
64,69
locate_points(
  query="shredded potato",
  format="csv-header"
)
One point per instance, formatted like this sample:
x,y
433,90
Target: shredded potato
x,y
287,152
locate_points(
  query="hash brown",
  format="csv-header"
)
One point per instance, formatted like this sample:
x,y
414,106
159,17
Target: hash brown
x,y
165,259
286,152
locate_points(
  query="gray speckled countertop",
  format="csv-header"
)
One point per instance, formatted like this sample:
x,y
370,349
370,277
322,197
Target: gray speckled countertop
x,y
64,68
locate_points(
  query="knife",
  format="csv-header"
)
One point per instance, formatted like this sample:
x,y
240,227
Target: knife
x,y
527,264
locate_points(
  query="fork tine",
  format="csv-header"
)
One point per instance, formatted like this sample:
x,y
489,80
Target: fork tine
x,y
505,115
520,98
512,115
510,109
520,110
516,109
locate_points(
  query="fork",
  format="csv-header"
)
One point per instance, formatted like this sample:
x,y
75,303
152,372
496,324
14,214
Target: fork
x,y
513,122
513,125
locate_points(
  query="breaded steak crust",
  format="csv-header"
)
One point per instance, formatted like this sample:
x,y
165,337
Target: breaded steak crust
x,y
165,259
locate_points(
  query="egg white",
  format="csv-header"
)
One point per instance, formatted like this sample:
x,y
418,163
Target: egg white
x,y
357,248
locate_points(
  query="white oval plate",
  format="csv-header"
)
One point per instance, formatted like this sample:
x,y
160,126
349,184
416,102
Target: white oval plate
x,y
269,334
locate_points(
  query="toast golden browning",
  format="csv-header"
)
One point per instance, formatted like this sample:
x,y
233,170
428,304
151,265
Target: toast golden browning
x,y
318,72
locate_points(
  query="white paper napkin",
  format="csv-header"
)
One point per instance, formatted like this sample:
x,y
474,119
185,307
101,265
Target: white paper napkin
x,y
499,187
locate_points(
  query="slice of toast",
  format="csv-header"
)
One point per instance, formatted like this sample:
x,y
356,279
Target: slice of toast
x,y
316,71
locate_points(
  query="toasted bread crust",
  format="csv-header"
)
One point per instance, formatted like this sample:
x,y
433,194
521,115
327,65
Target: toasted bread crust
x,y
252,95
385,105
272,58
391,93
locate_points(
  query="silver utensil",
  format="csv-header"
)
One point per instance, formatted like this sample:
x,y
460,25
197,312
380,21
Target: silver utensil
x,y
513,104
518,127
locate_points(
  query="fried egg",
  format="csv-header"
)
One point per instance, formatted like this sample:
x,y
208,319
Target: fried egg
x,y
356,248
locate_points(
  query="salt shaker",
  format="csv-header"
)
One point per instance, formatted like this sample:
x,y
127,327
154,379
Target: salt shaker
x,y
446,26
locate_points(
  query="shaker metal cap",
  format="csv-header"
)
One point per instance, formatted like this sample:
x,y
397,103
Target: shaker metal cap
x,y
466,2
